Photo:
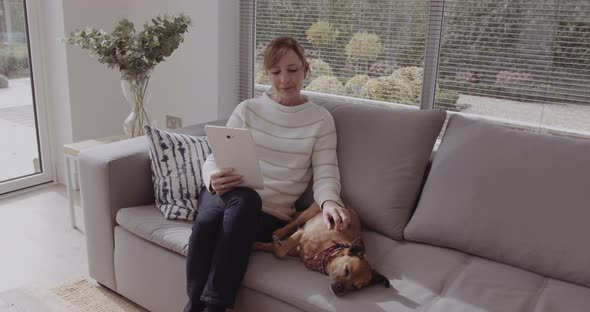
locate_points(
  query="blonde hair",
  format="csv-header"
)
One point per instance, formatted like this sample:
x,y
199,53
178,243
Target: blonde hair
x,y
278,47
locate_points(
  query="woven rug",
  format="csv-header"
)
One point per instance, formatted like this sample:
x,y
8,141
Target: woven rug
x,y
78,295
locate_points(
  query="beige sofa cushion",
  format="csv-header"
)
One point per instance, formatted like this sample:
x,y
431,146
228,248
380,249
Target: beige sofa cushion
x,y
382,158
423,278
511,196
148,223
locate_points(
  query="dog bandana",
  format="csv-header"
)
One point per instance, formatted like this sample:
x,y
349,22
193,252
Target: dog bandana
x,y
319,261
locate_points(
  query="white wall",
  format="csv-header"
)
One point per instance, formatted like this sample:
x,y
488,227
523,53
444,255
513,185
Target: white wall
x,y
198,82
228,47
185,85
97,104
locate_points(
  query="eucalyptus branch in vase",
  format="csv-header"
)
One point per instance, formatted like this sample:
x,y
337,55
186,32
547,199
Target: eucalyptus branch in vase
x,y
135,89
135,55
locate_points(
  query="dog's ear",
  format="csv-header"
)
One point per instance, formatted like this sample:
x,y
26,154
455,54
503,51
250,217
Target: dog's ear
x,y
357,248
378,278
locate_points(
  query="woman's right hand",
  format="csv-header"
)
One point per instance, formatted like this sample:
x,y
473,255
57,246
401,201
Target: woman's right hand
x,y
224,181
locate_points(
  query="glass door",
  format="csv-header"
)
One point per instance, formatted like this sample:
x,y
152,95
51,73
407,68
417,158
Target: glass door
x,y
24,153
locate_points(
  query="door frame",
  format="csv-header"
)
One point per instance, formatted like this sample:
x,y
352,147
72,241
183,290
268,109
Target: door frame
x,y
38,66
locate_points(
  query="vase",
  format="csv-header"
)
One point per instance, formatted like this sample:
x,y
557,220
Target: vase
x,y
136,90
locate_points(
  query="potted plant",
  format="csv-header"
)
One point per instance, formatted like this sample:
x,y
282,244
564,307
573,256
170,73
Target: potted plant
x,y
135,55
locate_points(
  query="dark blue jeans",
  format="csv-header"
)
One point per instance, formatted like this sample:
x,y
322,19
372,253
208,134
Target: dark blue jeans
x,y
219,247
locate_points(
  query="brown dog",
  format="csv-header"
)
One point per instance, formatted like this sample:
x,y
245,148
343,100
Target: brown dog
x,y
338,254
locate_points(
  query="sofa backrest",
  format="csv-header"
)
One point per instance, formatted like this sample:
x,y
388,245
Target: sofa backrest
x,y
511,196
382,155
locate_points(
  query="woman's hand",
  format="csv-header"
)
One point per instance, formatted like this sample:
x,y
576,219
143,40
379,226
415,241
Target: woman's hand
x,y
224,181
335,217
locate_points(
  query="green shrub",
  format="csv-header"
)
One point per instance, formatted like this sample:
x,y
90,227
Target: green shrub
x,y
362,49
381,69
411,78
326,84
322,35
448,99
3,82
387,89
14,66
411,74
403,86
364,46
318,68
354,85
404,91
261,77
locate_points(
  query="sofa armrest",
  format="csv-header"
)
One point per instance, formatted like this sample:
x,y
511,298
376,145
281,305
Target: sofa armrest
x,y
112,176
115,176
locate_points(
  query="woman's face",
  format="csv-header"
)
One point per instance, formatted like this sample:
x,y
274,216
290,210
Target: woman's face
x,y
286,78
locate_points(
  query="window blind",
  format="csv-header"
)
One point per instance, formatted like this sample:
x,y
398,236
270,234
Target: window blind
x,y
247,35
518,60
357,49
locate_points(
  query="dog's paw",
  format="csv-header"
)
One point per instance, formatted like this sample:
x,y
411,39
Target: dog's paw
x,y
259,246
256,246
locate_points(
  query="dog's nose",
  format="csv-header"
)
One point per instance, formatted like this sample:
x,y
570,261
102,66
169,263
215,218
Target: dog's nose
x,y
338,289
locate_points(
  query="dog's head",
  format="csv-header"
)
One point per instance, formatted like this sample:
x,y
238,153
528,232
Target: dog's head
x,y
351,270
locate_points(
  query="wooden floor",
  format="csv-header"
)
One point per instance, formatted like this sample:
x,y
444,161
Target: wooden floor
x,y
37,244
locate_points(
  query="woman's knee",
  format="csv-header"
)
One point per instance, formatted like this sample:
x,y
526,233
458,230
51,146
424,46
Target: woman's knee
x,y
245,196
207,222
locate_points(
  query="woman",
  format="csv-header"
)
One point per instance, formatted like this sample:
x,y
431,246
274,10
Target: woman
x,y
296,140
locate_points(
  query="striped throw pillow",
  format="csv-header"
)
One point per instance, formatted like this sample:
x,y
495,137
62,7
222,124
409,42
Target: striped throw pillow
x,y
176,161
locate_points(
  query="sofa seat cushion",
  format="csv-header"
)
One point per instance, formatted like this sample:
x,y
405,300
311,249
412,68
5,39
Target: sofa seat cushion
x,y
423,277
148,223
510,196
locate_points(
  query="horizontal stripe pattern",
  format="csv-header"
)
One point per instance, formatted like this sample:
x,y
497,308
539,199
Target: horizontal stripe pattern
x,y
291,142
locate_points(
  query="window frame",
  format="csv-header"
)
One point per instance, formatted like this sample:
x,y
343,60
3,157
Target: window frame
x,y
32,9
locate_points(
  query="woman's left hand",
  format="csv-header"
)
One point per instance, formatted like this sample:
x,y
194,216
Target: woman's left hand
x,y
335,217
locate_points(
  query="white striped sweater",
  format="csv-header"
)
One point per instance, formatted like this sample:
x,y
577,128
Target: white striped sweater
x,y
294,144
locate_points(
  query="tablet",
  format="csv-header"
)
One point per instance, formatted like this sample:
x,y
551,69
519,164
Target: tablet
x,y
235,148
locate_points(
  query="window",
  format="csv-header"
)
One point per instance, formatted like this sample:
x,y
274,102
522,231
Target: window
x,y
516,61
359,49
519,60
23,130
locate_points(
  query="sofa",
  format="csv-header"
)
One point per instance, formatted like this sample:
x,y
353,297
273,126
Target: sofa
x,y
485,219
